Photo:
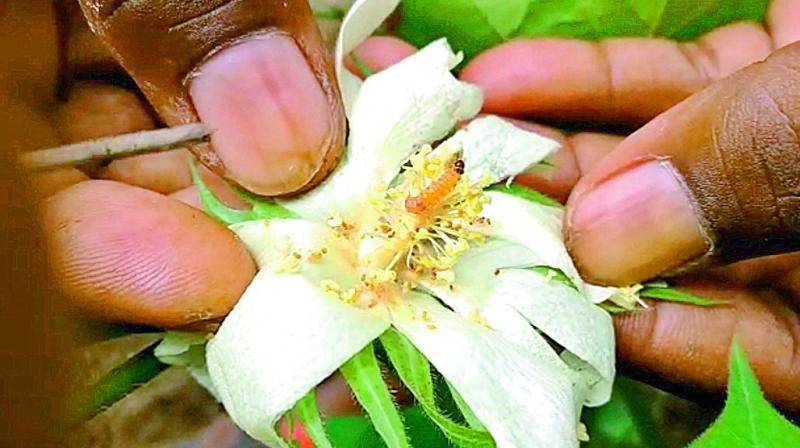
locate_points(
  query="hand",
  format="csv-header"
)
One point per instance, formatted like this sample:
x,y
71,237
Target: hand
x,y
713,179
122,252
261,79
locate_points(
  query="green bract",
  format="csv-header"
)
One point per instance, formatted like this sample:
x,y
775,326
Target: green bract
x,y
399,245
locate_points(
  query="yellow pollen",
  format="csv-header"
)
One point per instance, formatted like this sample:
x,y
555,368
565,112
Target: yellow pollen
x,y
395,247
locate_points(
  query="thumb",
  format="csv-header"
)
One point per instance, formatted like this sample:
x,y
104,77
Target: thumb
x,y
254,71
716,177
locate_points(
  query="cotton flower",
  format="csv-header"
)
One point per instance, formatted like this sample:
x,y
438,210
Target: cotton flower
x,y
405,235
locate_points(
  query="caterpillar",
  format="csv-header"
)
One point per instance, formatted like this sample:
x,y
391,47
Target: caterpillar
x,y
432,196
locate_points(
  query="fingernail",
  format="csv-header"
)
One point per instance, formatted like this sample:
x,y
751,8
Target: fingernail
x,y
634,226
270,117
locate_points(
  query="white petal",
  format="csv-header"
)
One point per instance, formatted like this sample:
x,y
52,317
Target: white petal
x,y
271,242
283,338
591,385
524,401
494,148
598,294
476,272
414,102
535,226
516,329
561,313
363,18
471,293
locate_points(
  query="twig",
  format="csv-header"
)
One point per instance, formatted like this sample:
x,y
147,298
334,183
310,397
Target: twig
x,y
115,147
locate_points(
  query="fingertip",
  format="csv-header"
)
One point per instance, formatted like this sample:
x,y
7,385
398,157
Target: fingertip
x,y
734,47
633,225
126,254
275,134
379,53
335,397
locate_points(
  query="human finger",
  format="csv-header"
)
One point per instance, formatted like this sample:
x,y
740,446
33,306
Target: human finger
x,y
84,55
378,53
254,71
712,179
93,109
190,195
126,254
561,171
49,182
655,341
621,80
761,271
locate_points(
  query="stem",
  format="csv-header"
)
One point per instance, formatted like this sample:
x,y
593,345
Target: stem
x,y
109,148
116,385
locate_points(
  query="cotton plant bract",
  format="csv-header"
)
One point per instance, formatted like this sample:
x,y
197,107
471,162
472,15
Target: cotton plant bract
x,y
411,247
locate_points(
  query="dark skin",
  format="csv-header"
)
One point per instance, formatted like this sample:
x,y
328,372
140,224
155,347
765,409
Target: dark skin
x,y
695,180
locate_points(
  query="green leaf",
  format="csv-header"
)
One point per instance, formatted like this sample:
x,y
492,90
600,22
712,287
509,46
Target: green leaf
x,y
308,414
475,25
415,372
687,19
214,207
669,294
526,193
363,375
555,274
506,16
748,420
413,368
461,21
262,209
466,411
356,431
116,385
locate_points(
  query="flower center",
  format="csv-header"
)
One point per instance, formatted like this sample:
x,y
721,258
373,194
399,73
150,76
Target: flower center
x,y
417,228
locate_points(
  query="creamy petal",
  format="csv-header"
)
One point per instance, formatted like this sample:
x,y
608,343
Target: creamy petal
x,y
494,149
363,18
563,314
283,338
476,273
523,400
535,226
598,294
272,243
414,102
484,290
